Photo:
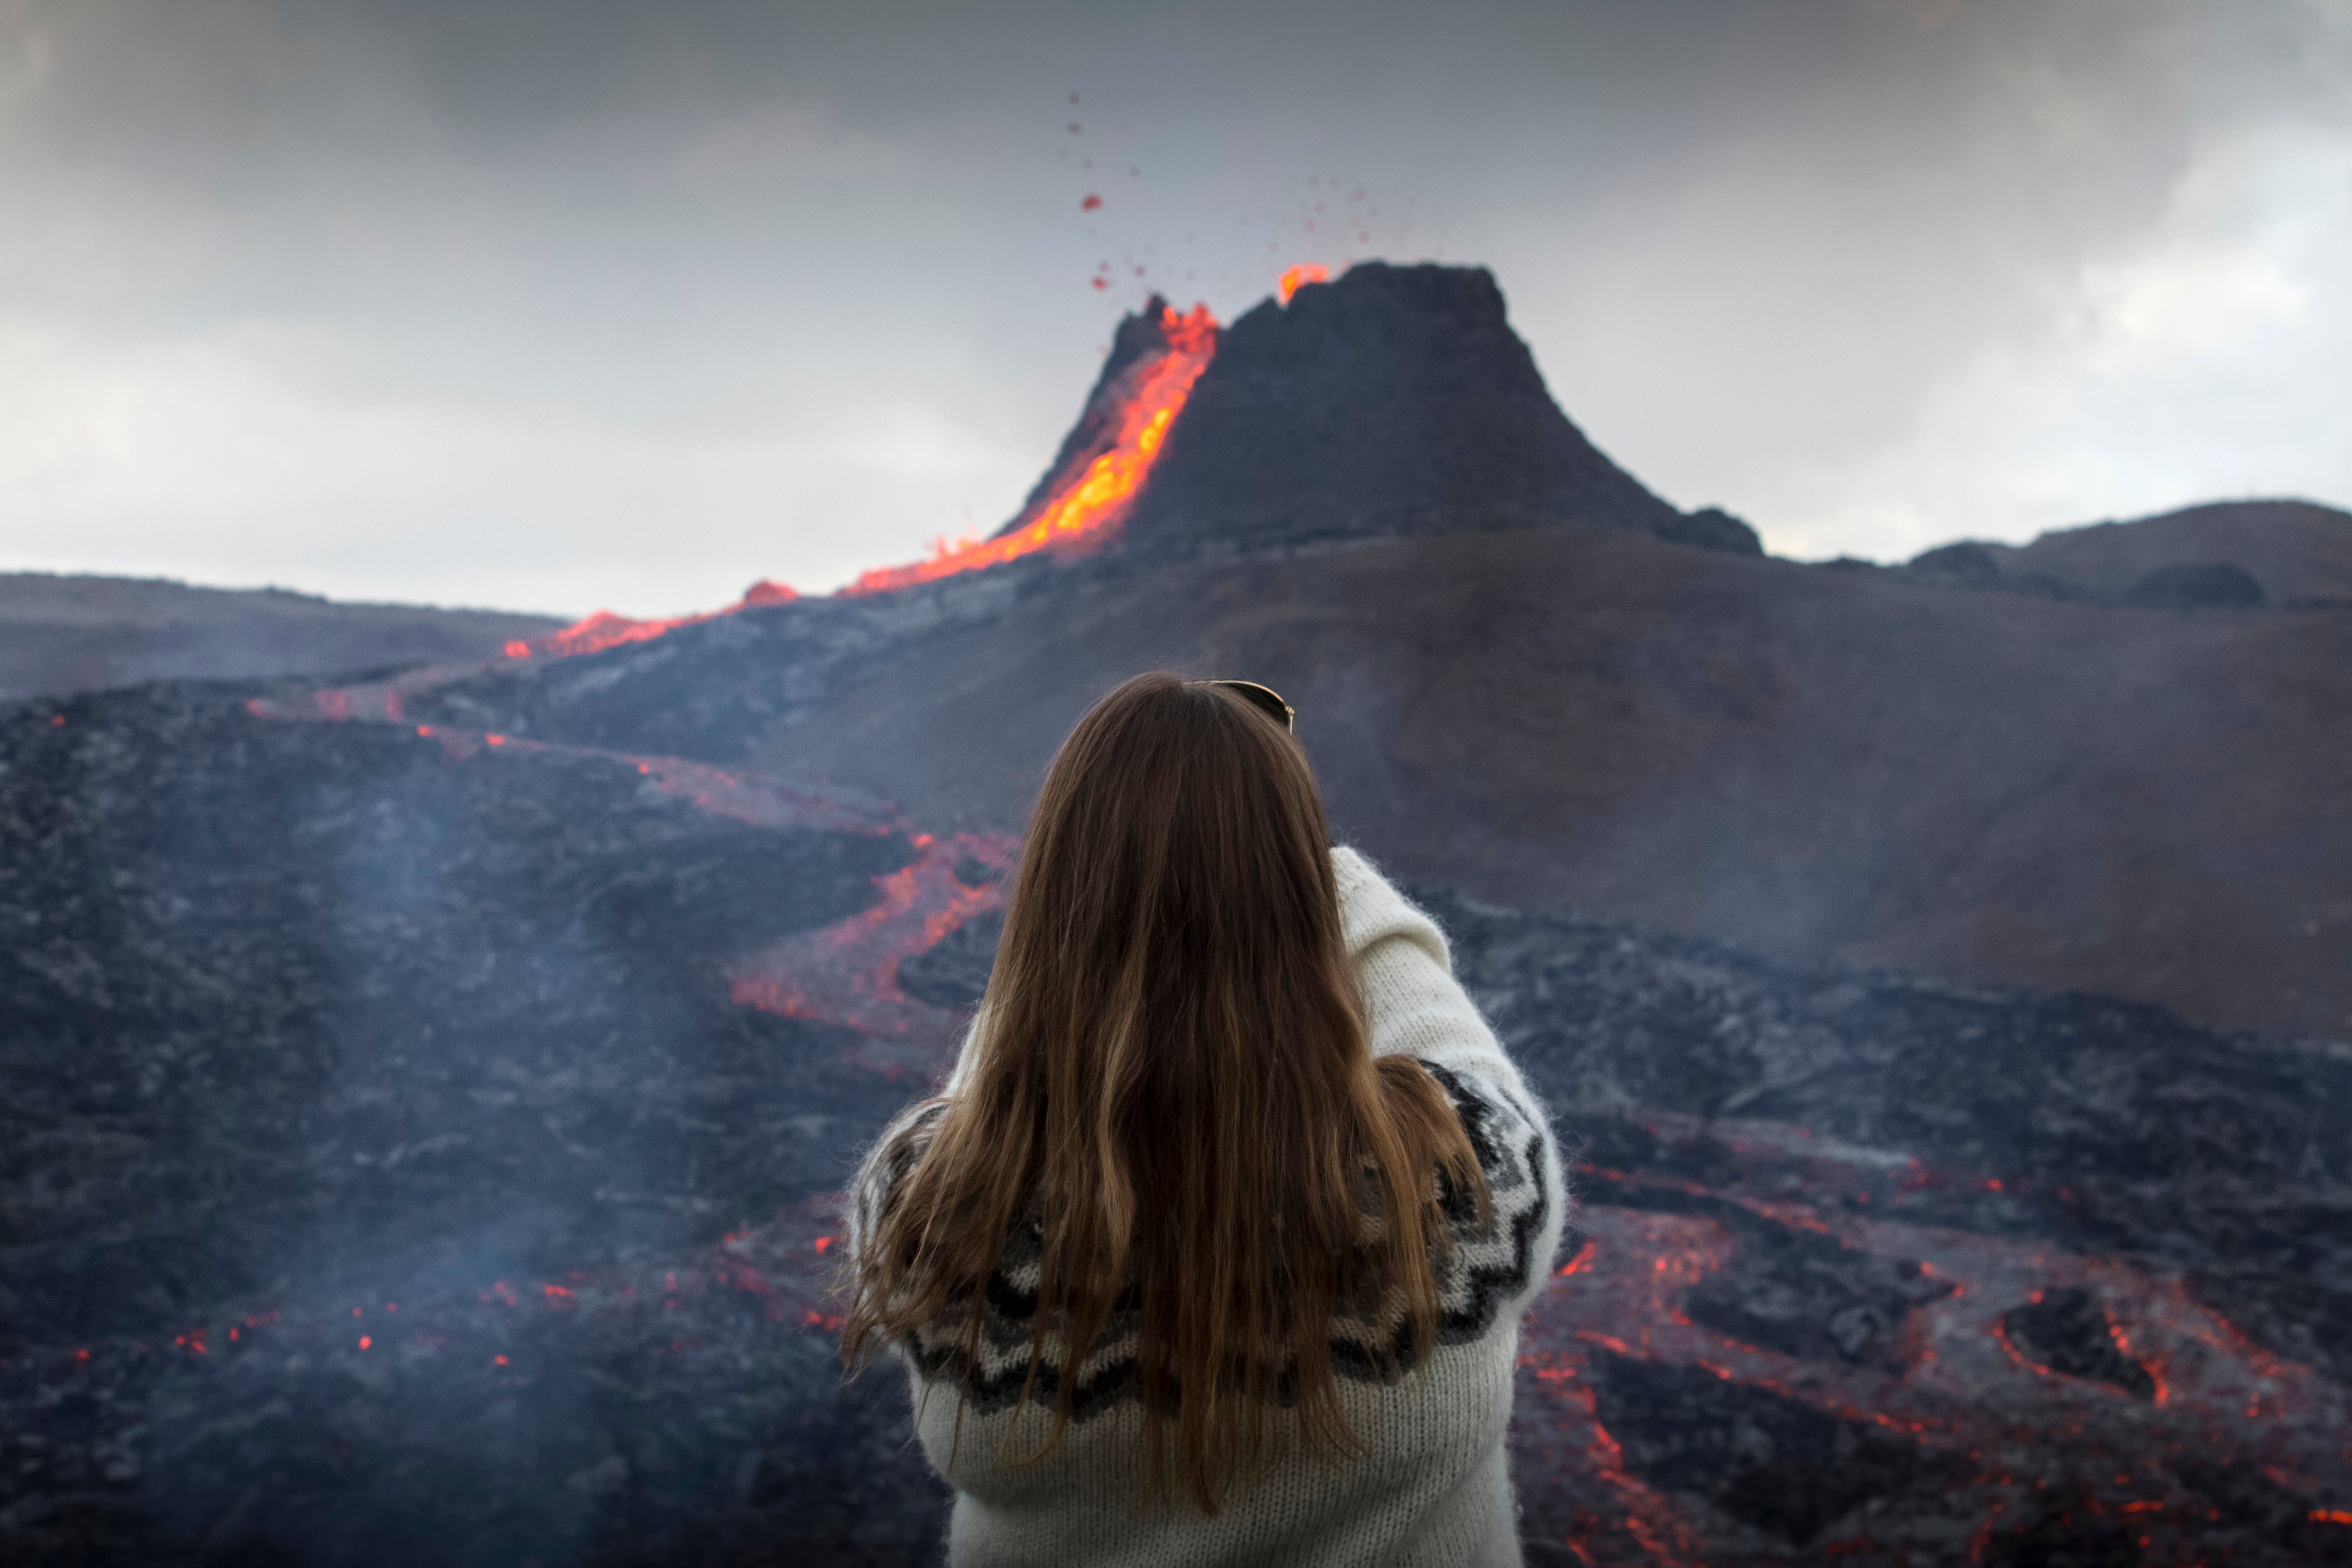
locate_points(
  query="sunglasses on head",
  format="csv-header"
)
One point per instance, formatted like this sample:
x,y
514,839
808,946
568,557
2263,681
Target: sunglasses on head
x,y
1266,699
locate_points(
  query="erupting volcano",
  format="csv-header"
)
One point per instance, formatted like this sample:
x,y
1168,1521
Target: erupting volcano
x,y
1102,466
1159,354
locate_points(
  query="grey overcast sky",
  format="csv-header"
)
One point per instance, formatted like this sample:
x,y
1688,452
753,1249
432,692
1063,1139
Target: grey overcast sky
x,y
556,304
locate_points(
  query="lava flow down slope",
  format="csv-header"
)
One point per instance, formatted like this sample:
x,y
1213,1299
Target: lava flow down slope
x,y
430,1089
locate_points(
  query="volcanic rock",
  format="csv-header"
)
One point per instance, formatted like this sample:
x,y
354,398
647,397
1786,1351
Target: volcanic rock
x,y
1970,565
2068,1332
312,1017
1395,400
1863,768
1767,1461
2197,586
1802,1293
322,1031
2072,1530
2272,1512
62,635
2298,552
715,690
1852,767
1965,562
1712,528
953,971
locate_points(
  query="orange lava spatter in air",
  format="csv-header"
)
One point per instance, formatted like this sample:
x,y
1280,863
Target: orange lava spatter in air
x,y
1296,277
1085,510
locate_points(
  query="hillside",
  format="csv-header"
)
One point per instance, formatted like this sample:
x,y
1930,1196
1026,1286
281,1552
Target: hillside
x,y
2296,549
67,633
1821,766
2045,788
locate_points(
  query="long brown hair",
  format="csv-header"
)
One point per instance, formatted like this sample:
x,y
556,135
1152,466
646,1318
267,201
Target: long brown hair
x,y
1172,1068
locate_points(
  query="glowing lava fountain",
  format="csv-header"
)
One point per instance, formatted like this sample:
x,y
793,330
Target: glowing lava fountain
x,y
1088,496
1078,508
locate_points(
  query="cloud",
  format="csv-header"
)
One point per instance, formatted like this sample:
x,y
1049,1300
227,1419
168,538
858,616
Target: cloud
x,y
580,304
2197,363
1984,289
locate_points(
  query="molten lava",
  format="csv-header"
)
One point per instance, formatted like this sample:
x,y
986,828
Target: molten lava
x,y
848,972
1294,279
1080,513
605,630
1974,1420
1083,512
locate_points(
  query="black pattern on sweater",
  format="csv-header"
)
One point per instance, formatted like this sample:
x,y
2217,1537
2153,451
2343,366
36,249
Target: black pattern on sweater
x,y
1485,1268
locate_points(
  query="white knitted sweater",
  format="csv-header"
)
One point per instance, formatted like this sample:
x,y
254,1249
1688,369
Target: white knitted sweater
x,y
1433,1486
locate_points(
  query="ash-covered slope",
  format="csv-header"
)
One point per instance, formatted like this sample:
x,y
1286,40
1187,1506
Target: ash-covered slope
x,y
2294,551
1396,400
2051,789
1860,767
67,633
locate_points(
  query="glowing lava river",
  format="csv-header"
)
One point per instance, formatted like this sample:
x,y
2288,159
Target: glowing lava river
x,y
1769,1342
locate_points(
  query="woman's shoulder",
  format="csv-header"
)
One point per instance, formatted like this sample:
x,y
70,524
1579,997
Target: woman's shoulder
x,y
1500,1261
1507,1130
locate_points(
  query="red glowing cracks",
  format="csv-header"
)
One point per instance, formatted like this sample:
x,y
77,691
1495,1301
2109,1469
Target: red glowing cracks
x,y
848,972
1294,279
1087,508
